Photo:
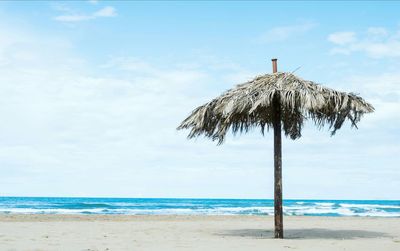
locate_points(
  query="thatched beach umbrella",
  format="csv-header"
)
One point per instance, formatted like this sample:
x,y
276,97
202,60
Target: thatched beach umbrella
x,y
281,101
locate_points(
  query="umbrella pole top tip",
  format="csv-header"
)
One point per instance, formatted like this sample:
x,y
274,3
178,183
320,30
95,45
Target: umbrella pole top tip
x,y
274,65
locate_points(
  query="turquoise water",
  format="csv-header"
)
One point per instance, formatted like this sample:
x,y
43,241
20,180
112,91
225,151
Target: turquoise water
x,y
138,206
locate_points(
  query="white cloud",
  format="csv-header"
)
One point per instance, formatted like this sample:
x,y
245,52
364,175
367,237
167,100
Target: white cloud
x,y
377,42
107,11
129,64
342,38
73,18
380,32
383,91
282,33
64,122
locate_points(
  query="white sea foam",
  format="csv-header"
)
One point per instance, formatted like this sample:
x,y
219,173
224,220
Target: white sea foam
x,y
48,211
368,206
325,204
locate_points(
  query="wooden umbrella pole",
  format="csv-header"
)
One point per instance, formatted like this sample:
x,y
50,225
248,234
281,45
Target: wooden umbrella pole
x,y
278,212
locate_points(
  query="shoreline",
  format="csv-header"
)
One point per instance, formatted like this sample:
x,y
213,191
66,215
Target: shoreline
x,y
200,232
10,217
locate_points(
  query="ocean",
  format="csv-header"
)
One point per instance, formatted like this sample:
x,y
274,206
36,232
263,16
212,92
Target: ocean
x,y
141,206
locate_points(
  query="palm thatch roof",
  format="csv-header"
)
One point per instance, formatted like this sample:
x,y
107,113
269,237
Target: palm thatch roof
x,y
251,104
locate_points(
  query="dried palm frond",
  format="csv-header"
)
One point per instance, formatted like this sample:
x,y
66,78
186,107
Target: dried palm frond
x,y
251,104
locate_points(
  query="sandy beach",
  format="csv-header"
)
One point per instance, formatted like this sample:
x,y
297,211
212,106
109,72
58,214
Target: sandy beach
x,y
122,232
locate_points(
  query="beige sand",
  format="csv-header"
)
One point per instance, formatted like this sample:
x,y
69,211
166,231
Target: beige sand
x,y
208,233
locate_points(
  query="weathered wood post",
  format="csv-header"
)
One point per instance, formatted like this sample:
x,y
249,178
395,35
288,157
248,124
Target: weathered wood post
x,y
278,213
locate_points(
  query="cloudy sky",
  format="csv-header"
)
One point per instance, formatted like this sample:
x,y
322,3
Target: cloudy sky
x,y
91,94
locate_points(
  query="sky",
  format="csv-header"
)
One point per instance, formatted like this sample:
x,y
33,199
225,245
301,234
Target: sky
x,y
91,93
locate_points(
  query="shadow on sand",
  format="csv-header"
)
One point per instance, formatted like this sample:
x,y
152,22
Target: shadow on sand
x,y
310,233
